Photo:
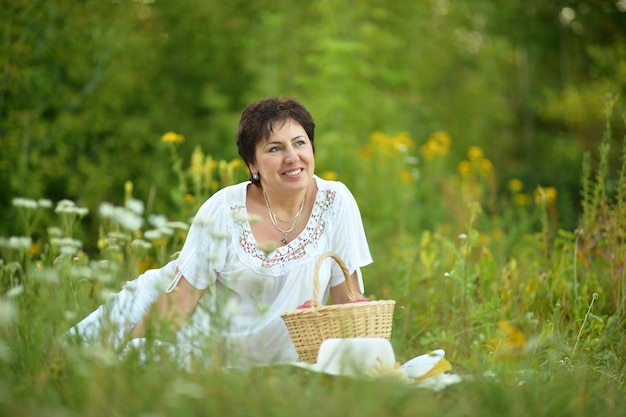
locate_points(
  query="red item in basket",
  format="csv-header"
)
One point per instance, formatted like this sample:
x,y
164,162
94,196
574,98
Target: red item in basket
x,y
306,304
361,300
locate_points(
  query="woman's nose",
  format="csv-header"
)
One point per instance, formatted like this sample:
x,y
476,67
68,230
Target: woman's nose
x,y
290,155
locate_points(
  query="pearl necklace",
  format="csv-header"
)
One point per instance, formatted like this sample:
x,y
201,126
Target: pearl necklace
x,y
274,218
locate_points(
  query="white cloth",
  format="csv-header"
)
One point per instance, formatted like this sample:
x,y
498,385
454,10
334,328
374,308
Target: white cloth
x,y
247,291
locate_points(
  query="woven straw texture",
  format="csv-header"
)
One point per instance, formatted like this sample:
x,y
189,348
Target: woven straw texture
x,y
309,327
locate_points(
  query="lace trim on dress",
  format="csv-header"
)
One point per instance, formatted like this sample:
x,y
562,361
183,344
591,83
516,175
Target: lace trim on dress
x,y
282,259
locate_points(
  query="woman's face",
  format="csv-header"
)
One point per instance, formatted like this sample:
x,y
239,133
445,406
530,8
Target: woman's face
x,y
285,161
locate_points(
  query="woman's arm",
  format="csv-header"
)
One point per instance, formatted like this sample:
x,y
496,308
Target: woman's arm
x,y
169,311
339,293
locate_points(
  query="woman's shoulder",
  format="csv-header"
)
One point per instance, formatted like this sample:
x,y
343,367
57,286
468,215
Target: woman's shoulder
x,y
335,191
331,185
223,200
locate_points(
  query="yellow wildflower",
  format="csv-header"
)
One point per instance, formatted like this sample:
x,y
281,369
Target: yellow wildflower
x,y
515,185
545,195
486,167
172,137
329,175
522,199
474,153
441,140
438,144
402,142
146,263
128,189
511,340
464,168
514,339
35,249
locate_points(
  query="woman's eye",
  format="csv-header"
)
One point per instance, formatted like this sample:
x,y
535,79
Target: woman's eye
x,y
274,149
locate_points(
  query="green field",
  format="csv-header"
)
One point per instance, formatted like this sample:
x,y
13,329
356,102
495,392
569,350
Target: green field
x,y
530,316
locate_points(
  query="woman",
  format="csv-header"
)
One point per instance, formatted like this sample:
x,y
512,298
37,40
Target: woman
x,y
226,286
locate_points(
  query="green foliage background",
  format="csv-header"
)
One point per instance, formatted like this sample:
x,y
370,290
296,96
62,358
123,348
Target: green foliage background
x,y
87,88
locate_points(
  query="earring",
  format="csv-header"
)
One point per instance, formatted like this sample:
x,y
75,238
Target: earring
x,y
255,176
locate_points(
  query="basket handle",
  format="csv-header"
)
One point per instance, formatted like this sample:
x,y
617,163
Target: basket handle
x,y
344,269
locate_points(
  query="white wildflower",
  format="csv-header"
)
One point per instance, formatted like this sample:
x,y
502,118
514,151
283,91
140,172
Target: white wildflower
x,y
68,250
105,294
107,210
81,211
66,241
178,225
140,244
166,231
152,234
8,312
48,275
113,247
157,220
44,203
117,236
103,264
5,356
463,236
26,203
19,242
411,160
136,206
15,291
69,207
81,272
54,231
65,206
128,220
105,278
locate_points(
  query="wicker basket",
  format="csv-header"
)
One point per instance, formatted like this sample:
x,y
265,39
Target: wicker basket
x,y
309,327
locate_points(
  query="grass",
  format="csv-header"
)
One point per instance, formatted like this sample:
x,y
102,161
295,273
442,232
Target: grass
x,y
530,315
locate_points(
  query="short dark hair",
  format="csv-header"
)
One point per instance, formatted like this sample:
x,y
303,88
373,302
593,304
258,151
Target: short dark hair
x,y
260,118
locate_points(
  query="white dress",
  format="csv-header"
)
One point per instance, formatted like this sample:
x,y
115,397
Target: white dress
x,y
246,290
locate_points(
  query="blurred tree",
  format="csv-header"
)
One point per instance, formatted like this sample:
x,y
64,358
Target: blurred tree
x,y
88,88
570,59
